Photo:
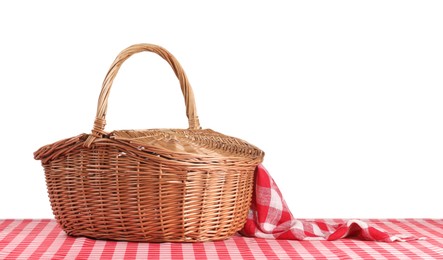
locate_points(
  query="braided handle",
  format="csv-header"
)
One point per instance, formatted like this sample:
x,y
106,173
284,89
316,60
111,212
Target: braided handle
x,y
100,118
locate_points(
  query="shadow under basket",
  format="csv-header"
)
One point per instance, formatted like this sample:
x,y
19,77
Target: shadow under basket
x,y
157,185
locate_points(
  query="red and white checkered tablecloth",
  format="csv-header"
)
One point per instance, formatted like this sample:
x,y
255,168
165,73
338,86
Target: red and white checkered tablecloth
x,y
270,217
43,239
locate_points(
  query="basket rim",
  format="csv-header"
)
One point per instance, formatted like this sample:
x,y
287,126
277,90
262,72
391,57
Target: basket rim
x,y
63,147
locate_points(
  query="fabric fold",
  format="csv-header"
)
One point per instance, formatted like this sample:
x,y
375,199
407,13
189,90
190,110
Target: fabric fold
x,y
269,217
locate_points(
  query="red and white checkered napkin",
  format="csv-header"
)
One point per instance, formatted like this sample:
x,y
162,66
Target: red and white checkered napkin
x,y
270,217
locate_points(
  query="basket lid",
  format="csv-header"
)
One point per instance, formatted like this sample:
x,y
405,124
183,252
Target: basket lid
x,y
189,145
192,142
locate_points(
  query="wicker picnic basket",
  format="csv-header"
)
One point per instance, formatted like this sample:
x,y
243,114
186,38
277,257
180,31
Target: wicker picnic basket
x,y
157,185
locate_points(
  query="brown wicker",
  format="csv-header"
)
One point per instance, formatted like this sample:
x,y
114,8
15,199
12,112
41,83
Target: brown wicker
x,y
158,185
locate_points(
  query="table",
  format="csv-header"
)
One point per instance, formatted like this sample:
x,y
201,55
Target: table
x,y
43,239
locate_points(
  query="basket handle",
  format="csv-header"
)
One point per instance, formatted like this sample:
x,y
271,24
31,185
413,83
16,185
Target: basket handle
x,y
100,122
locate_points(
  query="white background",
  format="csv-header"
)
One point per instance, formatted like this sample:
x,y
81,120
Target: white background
x,y
345,97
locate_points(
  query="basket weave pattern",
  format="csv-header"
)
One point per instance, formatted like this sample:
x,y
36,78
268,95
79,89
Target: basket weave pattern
x,y
158,185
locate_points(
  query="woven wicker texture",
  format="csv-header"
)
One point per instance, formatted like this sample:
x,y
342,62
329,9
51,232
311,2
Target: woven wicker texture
x,y
157,185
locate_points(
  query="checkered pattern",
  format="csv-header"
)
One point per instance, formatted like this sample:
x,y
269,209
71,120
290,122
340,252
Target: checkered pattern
x,y
270,217
43,239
